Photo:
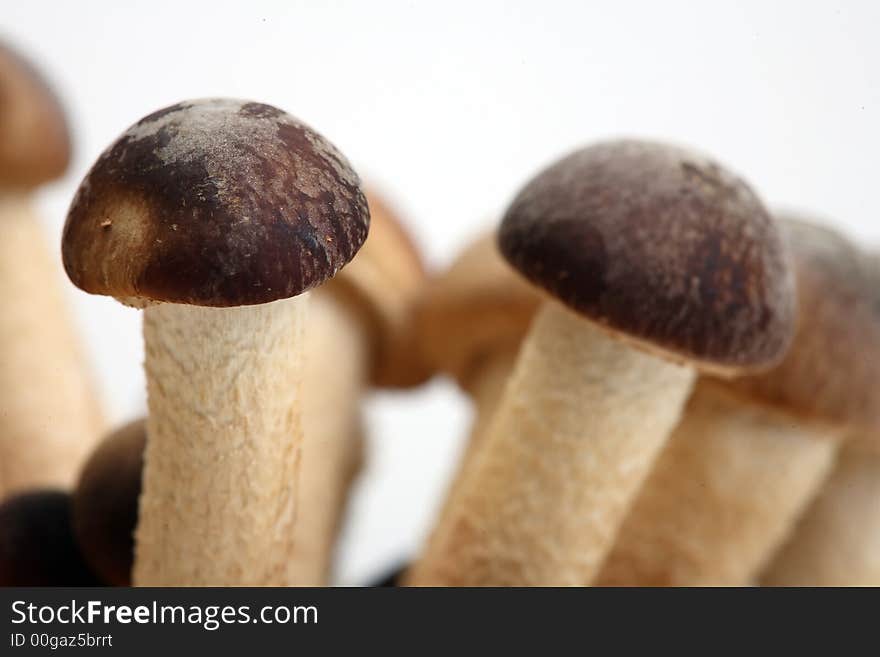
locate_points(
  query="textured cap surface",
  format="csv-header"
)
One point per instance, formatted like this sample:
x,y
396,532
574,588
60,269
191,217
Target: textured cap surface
x,y
832,371
105,503
34,142
385,278
661,245
478,305
215,203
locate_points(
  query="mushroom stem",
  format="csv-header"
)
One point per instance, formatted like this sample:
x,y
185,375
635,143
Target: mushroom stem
x,y
837,541
575,433
336,374
223,441
485,386
723,495
50,418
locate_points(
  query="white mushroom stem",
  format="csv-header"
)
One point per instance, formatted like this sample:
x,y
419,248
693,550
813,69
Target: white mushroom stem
x,y
837,541
575,433
337,360
49,415
223,442
724,494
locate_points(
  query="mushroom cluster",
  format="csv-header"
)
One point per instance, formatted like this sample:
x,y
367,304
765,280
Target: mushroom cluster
x,y
671,384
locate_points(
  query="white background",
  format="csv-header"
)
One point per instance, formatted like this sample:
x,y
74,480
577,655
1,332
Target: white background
x,y
448,108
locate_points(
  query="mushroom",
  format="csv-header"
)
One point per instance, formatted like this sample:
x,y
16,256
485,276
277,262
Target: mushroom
x,y
367,314
105,503
837,540
50,416
750,454
37,547
358,333
216,216
470,322
657,263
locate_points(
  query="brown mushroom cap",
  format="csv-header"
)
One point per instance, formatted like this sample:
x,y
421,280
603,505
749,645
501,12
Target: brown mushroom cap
x,y
34,141
832,371
662,247
214,202
37,547
384,279
478,305
105,503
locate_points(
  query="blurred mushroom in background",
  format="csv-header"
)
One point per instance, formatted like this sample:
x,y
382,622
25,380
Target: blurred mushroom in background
x,y
37,545
837,540
105,503
358,334
50,414
470,323
750,454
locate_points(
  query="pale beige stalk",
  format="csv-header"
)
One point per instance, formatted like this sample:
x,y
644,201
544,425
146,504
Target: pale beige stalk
x,y
837,541
575,433
337,360
485,386
49,416
359,334
220,472
729,487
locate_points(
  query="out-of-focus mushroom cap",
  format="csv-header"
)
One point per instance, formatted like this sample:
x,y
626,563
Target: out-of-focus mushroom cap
x,y
384,280
105,503
832,371
34,141
663,248
37,547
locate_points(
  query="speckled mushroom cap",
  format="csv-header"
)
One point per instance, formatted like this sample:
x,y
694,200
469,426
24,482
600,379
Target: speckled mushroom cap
x,y
832,371
214,202
384,279
34,142
662,247
477,306
105,503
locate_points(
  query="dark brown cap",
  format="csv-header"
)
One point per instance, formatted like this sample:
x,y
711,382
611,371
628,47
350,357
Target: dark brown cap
x,y
384,280
34,142
478,306
832,371
661,246
37,547
214,203
105,503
